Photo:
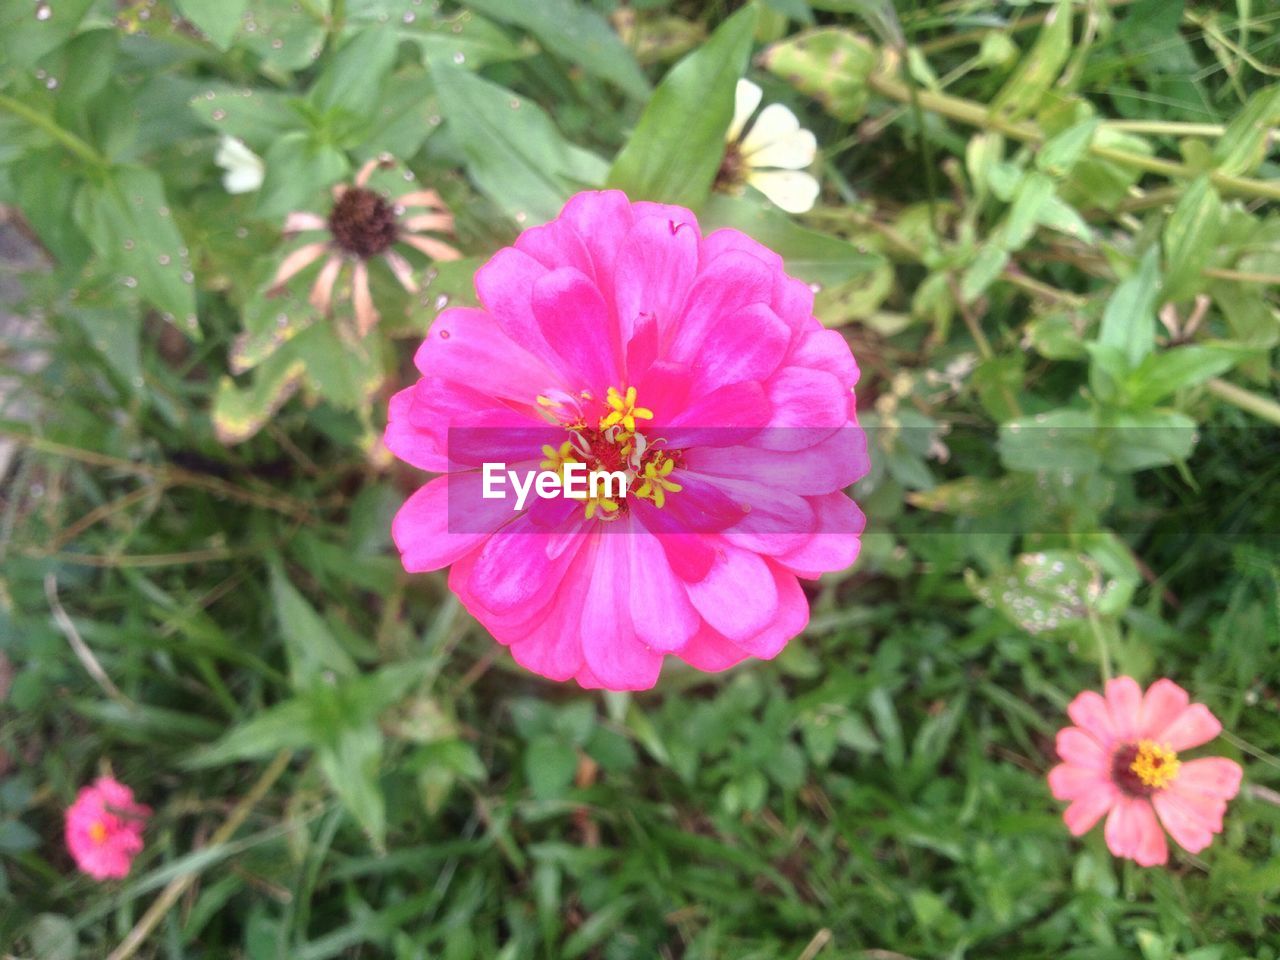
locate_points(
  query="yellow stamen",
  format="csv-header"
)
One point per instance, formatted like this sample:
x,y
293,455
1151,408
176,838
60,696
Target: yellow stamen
x,y
623,410
556,459
97,831
654,484
1156,765
608,507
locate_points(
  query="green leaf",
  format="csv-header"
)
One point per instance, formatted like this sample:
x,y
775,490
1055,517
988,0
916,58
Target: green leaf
x,y
463,38
53,936
298,167
1135,441
239,414
1063,439
1022,92
45,183
515,154
678,144
1244,144
1191,239
281,38
353,78
1043,592
217,19
1129,320
1064,150
26,37
285,726
257,117
352,765
575,32
830,64
549,766
1162,374
1034,193
309,643
990,261
127,221
814,257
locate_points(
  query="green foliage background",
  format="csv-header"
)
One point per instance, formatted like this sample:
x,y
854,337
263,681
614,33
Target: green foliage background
x,y
1049,231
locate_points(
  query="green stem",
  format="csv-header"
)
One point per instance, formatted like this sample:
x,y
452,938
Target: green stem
x,y
979,115
47,124
1260,406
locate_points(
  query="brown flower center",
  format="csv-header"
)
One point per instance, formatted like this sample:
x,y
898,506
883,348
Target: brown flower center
x,y
732,173
363,223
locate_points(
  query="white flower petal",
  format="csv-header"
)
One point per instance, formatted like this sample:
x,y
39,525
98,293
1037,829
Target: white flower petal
x,y
792,190
793,152
243,167
745,100
775,123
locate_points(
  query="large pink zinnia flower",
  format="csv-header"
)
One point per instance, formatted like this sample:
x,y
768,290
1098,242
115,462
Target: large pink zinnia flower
x,y
104,829
1121,759
619,337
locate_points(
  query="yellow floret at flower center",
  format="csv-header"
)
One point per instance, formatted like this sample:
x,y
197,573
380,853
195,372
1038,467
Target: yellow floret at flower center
x,y
1155,765
654,480
97,831
623,410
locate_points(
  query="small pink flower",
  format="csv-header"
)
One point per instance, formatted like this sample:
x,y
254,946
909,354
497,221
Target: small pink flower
x,y
1121,759
619,338
104,829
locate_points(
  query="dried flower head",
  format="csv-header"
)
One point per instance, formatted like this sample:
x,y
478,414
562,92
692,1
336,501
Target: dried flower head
x,y
365,225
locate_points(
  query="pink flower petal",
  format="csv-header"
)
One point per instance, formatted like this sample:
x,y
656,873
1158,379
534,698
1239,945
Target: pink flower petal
x,y
1192,727
505,287
711,652
1087,809
421,528
1067,782
1188,830
835,542
1163,702
664,618
738,596
653,272
1079,749
1133,832
1124,701
468,347
728,284
613,652
602,220
1214,776
1089,712
747,345
579,329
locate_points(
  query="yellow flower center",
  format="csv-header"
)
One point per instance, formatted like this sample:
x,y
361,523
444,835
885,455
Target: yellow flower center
x,y
1156,765
97,831
623,410
654,480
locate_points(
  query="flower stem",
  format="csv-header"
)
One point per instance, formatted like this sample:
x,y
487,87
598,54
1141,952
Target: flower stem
x,y
49,126
1260,406
980,115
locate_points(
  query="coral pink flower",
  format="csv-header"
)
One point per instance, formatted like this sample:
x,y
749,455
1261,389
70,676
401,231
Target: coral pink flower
x,y
104,829
619,337
1121,759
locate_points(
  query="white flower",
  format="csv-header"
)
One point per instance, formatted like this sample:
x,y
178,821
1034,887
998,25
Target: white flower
x,y
769,154
243,167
